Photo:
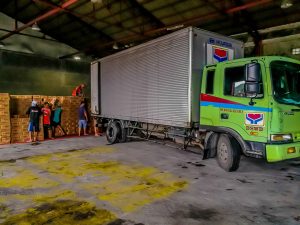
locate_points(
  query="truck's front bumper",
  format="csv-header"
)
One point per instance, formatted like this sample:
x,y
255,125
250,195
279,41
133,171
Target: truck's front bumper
x,y
281,152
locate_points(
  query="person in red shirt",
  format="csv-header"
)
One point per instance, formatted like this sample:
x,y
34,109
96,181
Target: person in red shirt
x,y
46,120
78,91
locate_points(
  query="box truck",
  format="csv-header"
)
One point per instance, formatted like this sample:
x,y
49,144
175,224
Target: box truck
x,y
196,86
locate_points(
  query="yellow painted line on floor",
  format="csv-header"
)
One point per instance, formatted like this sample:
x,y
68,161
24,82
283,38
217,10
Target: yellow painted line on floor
x,y
130,187
4,211
23,178
126,187
68,166
63,212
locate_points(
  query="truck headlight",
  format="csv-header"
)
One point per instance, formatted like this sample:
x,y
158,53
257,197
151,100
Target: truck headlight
x,y
281,137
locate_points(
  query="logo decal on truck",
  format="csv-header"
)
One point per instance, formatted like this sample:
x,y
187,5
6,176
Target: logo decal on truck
x,y
216,54
255,119
220,54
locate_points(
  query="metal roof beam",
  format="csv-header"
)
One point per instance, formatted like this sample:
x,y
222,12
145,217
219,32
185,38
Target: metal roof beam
x,y
191,21
25,6
77,18
251,25
82,17
30,35
91,28
4,4
41,17
57,17
88,15
143,11
196,20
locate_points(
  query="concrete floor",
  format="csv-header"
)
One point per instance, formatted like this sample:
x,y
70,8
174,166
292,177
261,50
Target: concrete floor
x,y
85,181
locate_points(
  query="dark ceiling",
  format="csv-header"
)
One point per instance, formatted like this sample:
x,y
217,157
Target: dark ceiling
x,y
93,27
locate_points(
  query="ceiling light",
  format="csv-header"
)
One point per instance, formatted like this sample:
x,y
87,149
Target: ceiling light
x,y
296,51
96,1
76,57
286,4
115,46
129,45
175,27
35,27
2,45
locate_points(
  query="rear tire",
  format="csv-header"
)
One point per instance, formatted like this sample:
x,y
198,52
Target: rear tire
x,y
112,132
228,153
122,136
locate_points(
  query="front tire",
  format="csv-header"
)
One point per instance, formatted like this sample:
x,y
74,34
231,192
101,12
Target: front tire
x,y
228,153
213,144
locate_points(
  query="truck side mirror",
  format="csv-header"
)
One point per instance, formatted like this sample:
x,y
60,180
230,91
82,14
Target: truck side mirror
x,y
252,89
253,72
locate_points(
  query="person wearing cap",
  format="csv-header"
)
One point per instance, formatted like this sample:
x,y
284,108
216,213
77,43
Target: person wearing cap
x,y
34,113
78,91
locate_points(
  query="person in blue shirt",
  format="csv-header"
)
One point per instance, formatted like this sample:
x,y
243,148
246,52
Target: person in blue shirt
x,y
83,118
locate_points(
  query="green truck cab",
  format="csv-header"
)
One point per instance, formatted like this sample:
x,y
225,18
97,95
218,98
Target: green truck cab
x,y
251,106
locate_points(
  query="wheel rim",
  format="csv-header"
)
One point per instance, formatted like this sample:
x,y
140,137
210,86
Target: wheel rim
x,y
223,152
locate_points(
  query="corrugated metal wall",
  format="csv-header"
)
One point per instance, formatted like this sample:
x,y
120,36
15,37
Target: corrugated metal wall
x,y
32,74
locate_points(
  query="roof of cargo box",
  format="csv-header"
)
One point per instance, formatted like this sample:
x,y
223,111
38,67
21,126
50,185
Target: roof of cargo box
x,y
102,27
168,39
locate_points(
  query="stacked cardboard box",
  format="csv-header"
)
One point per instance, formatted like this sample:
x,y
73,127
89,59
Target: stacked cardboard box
x,y
4,118
21,103
19,129
69,118
14,121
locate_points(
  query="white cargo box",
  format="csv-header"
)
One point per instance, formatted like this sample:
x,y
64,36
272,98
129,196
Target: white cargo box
x,y
159,81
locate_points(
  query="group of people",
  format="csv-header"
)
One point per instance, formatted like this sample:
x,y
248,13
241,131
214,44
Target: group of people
x,y
51,113
51,119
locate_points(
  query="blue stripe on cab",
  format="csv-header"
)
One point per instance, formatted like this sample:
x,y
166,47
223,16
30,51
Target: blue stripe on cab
x,y
235,106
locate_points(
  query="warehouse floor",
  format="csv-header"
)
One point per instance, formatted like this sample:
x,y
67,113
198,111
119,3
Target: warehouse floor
x,y
85,181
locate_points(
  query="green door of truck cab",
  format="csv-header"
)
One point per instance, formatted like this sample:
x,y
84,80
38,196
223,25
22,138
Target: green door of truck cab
x,y
265,122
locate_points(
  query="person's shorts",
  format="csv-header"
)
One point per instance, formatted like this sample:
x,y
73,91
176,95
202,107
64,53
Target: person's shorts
x,y
82,124
54,124
47,126
33,127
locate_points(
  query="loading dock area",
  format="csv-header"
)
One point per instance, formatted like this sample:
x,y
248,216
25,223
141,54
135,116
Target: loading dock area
x,y
150,112
85,181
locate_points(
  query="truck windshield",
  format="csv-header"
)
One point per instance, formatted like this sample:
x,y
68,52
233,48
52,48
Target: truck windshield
x,y
286,82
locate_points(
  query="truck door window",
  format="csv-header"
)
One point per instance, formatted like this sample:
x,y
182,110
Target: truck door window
x,y
210,82
235,82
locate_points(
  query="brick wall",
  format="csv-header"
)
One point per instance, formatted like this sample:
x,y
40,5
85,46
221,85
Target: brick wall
x,y
4,118
14,121
19,129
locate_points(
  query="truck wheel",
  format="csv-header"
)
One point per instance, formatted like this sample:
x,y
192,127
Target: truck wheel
x,y
213,144
112,132
122,136
228,153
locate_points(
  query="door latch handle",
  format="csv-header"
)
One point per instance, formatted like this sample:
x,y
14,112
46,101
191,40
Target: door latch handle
x,y
224,116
